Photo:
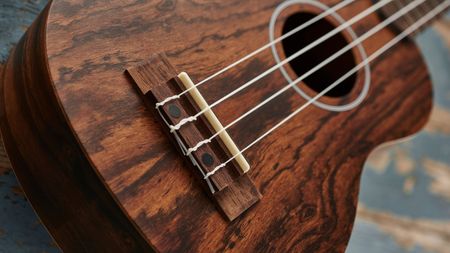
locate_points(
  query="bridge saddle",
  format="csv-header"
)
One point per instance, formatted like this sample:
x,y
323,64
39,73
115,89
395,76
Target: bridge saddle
x,y
230,187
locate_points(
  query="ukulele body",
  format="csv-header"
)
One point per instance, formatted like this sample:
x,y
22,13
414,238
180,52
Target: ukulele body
x,y
102,175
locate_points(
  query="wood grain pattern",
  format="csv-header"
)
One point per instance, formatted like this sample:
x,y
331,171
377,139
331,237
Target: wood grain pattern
x,y
308,171
66,193
4,162
20,229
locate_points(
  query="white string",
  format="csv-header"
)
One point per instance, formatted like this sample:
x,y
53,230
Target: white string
x,y
409,18
360,39
259,50
380,51
330,34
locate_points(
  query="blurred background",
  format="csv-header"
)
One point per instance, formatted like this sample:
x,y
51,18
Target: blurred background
x,y
405,191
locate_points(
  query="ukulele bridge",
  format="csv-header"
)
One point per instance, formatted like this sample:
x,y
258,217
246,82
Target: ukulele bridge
x,y
213,122
230,187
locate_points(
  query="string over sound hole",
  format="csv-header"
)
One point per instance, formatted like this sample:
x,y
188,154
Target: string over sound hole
x,y
322,78
326,33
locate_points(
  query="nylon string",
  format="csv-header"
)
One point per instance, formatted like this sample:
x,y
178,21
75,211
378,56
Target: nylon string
x,y
426,18
311,71
330,34
259,50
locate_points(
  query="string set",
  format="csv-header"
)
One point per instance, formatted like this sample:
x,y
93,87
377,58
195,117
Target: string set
x,y
259,50
403,11
309,73
379,52
330,34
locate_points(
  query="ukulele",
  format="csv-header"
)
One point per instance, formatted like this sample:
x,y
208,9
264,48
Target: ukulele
x,y
209,126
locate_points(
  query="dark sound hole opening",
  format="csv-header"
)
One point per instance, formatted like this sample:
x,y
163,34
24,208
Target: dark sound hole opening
x,y
328,74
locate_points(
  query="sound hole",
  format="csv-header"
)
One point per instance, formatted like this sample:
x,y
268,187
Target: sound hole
x,y
328,74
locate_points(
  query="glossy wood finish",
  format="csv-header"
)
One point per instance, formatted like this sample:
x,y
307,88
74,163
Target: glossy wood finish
x,y
308,171
53,170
